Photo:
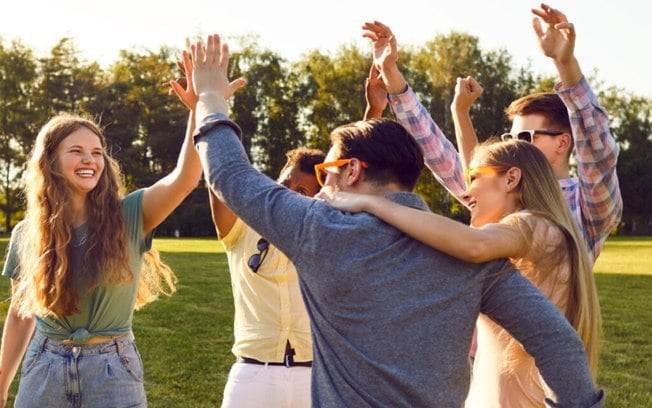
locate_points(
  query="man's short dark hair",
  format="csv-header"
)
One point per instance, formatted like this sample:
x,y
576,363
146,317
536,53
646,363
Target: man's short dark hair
x,y
391,153
304,159
547,104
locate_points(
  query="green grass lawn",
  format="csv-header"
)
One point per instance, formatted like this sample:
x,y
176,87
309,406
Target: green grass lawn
x,y
624,280
185,340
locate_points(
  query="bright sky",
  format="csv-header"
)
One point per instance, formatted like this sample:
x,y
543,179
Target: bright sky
x,y
613,39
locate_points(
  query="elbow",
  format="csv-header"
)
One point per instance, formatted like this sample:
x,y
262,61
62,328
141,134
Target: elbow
x,y
476,252
190,188
187,182
182,191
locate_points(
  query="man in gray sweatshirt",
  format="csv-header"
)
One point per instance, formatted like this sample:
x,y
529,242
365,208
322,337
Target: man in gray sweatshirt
x,y
392,319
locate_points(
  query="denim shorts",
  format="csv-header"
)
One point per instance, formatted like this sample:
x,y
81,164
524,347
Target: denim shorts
x,y
55,374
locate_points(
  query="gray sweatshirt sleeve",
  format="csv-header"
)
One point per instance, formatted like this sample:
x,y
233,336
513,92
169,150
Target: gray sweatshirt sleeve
x,y
273,211
519,307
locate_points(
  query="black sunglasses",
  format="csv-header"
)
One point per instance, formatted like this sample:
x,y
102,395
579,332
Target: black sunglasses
x,y
528,135
257,259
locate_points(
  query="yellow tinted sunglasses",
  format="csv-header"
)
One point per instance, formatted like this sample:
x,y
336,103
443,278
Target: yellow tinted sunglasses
x,y
472,171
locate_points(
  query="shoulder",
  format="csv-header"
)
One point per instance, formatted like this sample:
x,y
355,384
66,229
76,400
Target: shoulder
x,y
542,235
19,228
547,244
132,210
525,217
10,267
132,206
539,227
133,199
16,234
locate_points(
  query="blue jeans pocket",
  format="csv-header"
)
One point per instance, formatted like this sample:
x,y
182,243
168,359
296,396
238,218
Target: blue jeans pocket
x,y
132,363
33,357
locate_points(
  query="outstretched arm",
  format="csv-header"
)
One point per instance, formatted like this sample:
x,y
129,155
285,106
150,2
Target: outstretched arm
x,y
518,306
598,206
160,199
467,91
454,238
166,194
15,338
223,218
439,153
272,210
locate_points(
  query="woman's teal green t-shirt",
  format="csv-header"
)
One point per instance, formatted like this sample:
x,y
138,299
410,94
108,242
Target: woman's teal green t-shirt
x,y
108,309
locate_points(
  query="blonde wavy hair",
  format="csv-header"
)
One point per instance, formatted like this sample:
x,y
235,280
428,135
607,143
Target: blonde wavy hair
x,y
45,284
540,195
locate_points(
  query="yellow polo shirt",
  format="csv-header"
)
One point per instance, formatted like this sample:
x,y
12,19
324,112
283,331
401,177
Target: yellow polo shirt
x,y
269,309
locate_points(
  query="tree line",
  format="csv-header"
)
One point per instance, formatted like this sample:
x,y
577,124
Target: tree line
x,y
285,104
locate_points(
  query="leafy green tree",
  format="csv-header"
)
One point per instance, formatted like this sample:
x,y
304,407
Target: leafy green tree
x,y
18,122
265,109
66,84
285,105
331,87
631,122
116,114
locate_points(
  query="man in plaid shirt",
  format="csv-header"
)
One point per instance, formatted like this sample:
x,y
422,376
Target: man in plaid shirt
x,y
554,122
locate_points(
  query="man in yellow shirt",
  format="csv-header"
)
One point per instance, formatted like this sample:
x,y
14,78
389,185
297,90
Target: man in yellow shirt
x,y
271,327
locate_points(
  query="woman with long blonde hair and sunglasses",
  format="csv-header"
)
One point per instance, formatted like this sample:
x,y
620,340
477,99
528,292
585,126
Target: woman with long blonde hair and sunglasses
x,y
80,263
518,212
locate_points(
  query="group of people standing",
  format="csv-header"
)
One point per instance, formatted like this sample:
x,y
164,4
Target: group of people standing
x,y
348,291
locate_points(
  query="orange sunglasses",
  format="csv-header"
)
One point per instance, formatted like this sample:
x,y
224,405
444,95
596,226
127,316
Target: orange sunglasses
x,y
320,169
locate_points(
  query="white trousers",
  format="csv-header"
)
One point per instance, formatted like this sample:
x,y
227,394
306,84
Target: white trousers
x,y
253,386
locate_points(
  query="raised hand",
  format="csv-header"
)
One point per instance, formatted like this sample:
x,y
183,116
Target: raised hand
x,y
209,76
467,91
182,87
210,66
384,44
375,94
385,56
557,41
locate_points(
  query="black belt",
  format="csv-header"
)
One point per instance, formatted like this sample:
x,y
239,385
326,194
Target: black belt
x,y
289,362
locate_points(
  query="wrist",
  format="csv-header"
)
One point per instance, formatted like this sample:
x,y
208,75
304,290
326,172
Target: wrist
x,y
207,106
372,113
209,94
372,204
394,81
460,111
569,71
